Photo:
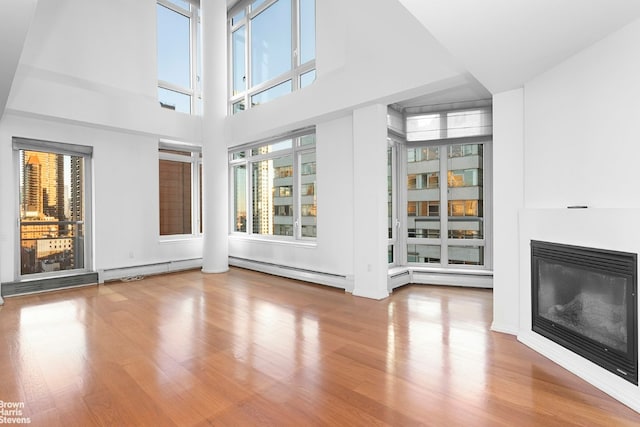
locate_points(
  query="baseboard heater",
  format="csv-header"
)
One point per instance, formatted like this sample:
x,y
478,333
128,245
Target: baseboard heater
x,y
322,278
401,277
48,284
119,273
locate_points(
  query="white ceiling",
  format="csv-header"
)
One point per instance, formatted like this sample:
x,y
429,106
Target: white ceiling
x,y
505,43
15,18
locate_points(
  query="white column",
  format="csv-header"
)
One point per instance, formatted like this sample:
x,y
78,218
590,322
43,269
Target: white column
x,y
370,201
215,257
508,199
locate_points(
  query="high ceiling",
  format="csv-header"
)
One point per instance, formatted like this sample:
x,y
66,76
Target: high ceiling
x,y
14,24
505,43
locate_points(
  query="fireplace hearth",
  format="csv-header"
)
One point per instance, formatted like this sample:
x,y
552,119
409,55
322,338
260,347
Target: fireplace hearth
x,y
584,299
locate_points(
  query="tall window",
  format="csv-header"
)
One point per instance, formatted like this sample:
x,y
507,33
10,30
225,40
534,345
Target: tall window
x,y
392,214
272,50
180,183
445,220
179,65
274,190
445,188
54,230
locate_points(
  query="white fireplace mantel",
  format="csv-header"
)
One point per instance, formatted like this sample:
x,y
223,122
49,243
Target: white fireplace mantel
x,y
611,229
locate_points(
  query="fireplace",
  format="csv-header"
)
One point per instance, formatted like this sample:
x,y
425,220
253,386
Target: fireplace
x,y
584,299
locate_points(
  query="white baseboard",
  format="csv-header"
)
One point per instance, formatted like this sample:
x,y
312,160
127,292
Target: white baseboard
x,y
119,273
503,329
334,280
400,276
614,386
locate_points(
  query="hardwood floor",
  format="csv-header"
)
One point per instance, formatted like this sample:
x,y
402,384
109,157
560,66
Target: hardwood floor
x,y
243,348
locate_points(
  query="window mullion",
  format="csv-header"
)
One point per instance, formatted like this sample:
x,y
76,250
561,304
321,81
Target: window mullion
x,y
295,43
297,199
444,206
249,197
193,59
248,62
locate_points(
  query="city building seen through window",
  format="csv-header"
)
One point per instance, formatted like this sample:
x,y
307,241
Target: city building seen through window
x,y
274,188
52,194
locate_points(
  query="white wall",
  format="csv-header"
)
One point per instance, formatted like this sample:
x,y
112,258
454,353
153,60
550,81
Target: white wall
x,y
581,128
87,75
508,199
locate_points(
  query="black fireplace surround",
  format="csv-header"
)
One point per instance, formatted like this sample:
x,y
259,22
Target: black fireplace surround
x,y
584,299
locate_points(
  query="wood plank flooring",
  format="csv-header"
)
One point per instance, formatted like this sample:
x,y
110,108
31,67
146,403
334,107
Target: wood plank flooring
x,y
243,348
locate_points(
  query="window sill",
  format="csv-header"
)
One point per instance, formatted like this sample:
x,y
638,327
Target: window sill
x,y
180,238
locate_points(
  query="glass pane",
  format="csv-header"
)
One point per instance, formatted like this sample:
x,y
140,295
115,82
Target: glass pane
x,y
308,140
423,154
307,31
308,196
424,127
199,71
237,17
238,106
256,4
469,255
271,93
51,212
468,123
182,3
173,47
390,254
307,78
423,253
176,101
238,58
423,185
238,155
271,42
273,196
270,148
175,198
465,182
590,303
240,198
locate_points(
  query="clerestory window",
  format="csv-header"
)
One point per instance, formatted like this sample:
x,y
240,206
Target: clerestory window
x,y
272,50
179,64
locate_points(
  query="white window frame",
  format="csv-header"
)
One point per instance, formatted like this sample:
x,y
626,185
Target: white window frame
x,y
294,75
195,159
481,134
296,152
195,90
84,151
444,241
